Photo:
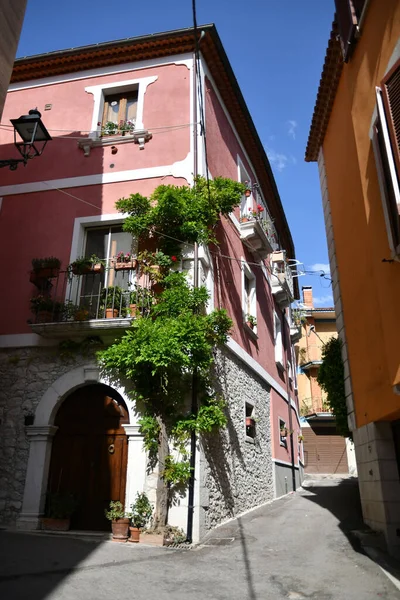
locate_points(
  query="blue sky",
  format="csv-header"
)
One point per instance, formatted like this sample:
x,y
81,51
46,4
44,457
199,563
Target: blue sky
x,y
276,50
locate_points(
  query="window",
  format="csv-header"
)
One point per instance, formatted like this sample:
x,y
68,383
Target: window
x,y
249,300
348,16
283,433
120,109
278,341
250,421
247,201
386,145
105,243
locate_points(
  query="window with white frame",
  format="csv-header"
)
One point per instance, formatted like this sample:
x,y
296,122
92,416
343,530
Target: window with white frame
x,y
116,103
249,298
386,145
283,433
246,203
250,421
88,290
278,340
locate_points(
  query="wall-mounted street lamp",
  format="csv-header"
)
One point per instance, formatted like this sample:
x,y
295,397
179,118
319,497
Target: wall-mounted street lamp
x,y
32,131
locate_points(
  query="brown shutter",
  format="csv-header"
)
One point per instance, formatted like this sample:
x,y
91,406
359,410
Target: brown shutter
x,y
348,14
391,99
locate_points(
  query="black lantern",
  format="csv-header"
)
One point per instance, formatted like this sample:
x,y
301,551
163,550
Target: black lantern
x,y
32,131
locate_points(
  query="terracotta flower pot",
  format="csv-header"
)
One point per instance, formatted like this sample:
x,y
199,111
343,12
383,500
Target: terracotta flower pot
x,y
36,277
111,313
120,530
126,266
250,422
44,316
250,324
283,432
49,524
97,268
81,315
135,535
133,309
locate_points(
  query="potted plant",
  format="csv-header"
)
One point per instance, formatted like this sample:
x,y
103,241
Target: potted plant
x,y
44,268
109,128
251,321
119,521
126,126
283,432
59,509
140,300
45,309
84,265
300,437
140,516
112,302
250,422
124,261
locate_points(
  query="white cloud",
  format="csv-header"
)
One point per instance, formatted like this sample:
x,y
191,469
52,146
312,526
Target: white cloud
x,y
318,267
292,126
320,301
278,161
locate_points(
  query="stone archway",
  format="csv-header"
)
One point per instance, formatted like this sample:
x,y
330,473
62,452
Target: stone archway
x,y
41,435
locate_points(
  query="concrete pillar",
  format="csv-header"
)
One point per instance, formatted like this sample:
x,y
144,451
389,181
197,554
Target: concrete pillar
x,y
40,443
136,468
379,481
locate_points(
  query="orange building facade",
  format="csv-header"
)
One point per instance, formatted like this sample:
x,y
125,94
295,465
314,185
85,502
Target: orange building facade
x,y
355,138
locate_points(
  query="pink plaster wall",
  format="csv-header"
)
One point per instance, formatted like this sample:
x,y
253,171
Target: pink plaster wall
x,y
166,103
223,150
41,224
279,410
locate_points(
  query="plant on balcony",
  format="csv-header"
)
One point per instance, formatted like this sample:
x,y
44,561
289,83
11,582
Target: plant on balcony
x,y
251,321
161,354
140,300
110,128
84,265
112,302
126,126
44,268
124,261
45,309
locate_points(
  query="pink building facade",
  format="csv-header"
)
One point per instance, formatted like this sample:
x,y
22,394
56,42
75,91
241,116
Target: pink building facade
x,y
63,204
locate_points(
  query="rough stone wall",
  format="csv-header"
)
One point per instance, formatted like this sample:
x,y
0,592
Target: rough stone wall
x,y
25,375
236,474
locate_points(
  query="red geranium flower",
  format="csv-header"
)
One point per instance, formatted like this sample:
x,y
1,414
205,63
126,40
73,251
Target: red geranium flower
x,y
260,208
173,258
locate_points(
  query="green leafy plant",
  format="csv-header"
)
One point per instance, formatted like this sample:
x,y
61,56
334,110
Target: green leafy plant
x,y
109,128
60,505
251,320
112,297
331,379
161,354
141,511
46,263
116,511
46,304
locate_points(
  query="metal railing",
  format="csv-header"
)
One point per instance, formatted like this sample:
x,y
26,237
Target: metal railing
x,y
70,297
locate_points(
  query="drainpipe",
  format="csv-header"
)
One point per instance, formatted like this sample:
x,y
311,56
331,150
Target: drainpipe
x,y
194,406
288,344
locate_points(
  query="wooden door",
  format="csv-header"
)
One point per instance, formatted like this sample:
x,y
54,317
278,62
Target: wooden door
x,y
89,454
324,450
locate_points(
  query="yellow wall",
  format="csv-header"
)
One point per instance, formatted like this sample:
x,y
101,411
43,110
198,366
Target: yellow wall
x,y
370,288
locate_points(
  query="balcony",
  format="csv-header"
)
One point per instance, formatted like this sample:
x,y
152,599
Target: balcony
x,y
76,306
281,279
258,234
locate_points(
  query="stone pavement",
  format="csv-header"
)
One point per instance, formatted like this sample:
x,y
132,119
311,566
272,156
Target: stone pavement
x,y
298,547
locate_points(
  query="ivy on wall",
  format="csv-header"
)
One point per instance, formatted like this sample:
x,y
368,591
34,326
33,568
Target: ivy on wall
x,y
331,379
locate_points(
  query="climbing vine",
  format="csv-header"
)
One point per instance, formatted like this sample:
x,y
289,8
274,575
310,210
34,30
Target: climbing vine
x,y
331,380
175,338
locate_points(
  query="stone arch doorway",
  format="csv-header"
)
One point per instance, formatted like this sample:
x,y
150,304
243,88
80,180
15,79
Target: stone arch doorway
x,y
90,452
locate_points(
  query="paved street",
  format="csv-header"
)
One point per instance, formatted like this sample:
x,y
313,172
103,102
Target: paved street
x,y
294,548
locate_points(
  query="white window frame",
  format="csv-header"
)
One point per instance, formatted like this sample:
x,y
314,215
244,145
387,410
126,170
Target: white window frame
x,y
278,341
247,201
248,273
395,249
100,91
249,438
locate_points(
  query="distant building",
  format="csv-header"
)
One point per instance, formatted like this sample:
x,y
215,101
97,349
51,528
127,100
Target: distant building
x,y
355,139
325,451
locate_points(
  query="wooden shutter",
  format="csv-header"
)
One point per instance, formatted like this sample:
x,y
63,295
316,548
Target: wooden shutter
x,y
391,99
348,14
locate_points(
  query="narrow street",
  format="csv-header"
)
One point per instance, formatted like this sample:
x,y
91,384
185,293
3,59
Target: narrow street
x,y
297,547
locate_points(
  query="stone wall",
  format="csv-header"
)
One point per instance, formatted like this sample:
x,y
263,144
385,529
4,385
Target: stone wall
x,y
25,375
236,472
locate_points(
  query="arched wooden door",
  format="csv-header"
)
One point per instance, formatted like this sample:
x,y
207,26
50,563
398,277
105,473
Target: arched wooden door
x,y
89,454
